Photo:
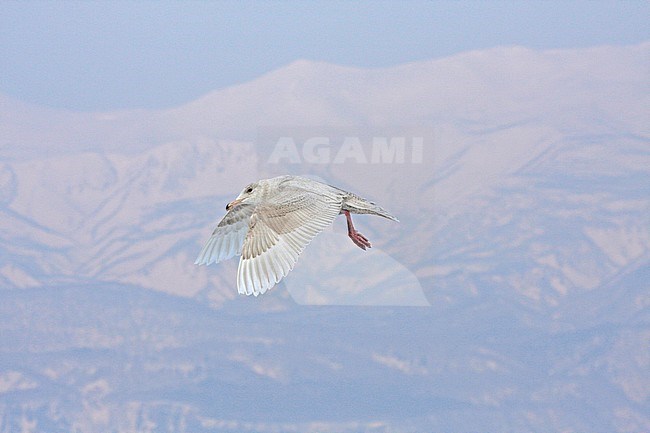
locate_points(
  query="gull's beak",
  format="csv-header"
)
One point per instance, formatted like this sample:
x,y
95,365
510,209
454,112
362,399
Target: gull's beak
x,y
232,204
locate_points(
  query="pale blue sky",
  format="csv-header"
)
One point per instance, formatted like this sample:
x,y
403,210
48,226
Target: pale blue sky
x,y
108,55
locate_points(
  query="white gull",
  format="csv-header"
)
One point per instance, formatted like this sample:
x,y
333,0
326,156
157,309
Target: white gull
x,y
271,222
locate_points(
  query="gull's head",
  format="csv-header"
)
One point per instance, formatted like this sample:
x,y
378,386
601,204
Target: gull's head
x,y
250,195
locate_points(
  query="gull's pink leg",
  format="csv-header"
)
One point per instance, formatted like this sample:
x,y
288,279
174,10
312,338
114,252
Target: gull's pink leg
x,y
358,239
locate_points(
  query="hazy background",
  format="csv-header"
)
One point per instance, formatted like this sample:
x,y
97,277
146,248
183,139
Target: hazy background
x,y
513,295
108,55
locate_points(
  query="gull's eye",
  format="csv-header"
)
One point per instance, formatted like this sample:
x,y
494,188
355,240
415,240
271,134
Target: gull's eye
x,y
249,190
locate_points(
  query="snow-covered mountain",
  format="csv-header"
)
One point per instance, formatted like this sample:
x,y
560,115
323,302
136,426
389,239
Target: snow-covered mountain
x,y
525,224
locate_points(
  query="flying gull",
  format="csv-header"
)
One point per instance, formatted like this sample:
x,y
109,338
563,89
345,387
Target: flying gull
x,y
273,220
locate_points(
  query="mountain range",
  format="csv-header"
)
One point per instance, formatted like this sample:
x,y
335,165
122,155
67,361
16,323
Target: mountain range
x,y
513,294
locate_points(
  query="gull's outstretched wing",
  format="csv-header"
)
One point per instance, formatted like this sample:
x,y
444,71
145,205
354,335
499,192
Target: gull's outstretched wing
x,y
227,239
279,230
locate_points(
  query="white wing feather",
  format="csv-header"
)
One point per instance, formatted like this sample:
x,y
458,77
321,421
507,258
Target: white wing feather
x,y
278,233
227,239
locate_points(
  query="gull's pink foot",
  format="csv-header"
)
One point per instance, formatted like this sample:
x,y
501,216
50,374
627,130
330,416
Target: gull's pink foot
x,y
359,240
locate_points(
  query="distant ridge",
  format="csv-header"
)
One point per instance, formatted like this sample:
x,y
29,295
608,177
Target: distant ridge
x,y
480,87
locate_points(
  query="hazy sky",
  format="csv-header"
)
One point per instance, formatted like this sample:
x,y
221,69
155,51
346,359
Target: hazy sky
x,y
107,55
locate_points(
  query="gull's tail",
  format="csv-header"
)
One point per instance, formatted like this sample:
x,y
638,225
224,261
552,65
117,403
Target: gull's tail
x,y
356,204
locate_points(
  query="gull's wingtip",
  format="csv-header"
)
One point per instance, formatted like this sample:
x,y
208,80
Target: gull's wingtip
x,y
202,259
390,217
